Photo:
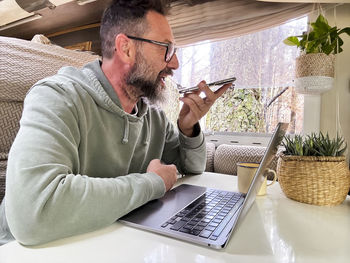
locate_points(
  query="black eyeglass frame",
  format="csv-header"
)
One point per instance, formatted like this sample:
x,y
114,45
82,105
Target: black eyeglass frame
x,y
169,47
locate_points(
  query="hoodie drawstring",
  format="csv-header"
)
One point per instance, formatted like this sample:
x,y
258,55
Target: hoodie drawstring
x,y
147,133
126,130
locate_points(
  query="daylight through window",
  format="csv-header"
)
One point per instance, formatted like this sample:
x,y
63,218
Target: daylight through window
x,y
264,68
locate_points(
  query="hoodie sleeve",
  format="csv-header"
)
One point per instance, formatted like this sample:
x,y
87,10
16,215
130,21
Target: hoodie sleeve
x,y
46,199
187,153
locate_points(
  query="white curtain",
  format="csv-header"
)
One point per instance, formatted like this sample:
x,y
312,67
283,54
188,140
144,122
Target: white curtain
x,y
222,19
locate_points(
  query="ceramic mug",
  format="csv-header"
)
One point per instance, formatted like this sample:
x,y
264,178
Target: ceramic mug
x,y
245,174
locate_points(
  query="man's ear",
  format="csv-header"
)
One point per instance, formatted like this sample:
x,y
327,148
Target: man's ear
x,y
125,48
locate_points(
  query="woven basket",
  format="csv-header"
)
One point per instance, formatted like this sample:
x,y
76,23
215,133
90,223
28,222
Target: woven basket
x,y
315,64
314,180
314,73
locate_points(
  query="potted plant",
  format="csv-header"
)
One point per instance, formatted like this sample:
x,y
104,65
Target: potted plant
x,y
314,70
313,170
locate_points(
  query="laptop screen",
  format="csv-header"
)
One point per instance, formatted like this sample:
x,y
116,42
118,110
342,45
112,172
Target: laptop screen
x,y
259,177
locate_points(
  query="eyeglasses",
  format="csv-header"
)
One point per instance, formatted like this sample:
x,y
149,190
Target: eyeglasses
x,y
170,47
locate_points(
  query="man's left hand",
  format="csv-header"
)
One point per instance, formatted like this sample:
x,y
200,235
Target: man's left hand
x,y
195,107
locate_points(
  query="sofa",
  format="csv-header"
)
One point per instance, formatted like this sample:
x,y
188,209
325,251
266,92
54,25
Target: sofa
x,y
224,158
25,62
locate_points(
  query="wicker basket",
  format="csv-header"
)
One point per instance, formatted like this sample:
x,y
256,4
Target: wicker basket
x,y
314,73
315,64
314,180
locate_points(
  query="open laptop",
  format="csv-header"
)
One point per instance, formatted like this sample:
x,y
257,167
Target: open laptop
x,y
201,215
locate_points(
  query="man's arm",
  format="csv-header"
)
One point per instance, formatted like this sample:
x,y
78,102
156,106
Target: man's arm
x,y
195,107
187,153
192,148
46,197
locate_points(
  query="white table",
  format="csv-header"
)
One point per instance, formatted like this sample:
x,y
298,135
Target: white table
x,y
276,229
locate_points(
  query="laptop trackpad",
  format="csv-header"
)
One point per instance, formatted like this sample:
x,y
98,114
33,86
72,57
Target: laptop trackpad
x,y
156,212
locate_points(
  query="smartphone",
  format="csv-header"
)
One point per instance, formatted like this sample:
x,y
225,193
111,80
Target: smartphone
x,y
215,83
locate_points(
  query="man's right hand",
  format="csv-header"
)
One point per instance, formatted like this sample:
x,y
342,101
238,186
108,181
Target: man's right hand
x,y
167,172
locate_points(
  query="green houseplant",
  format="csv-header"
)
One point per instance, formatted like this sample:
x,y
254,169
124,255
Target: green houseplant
x,y
314,69
315,144
321,39
313,170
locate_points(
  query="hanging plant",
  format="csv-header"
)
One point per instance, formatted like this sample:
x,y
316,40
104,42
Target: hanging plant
x,y
321,39
315,66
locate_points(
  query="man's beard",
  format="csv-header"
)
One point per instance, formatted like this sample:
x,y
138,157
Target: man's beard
x,y
143,83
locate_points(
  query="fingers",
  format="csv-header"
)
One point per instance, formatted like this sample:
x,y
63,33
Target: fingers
x,y
194,96
202,86
199,105
195,103
169,176
168,173
195,107
211,96
222,89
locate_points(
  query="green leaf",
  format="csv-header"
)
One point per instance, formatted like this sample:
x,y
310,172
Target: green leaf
x,y
314,46
345,30
311,36
321,24
327,49
314,145
333,32
336,44
291,41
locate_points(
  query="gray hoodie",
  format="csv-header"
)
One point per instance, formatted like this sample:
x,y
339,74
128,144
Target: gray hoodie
x,y
79,161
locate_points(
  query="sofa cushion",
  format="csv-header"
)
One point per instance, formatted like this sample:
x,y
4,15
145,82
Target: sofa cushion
x,y
210,157
23,63
227,156
3,164
10,113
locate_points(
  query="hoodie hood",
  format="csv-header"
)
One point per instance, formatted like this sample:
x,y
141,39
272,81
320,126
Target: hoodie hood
x,y
92,79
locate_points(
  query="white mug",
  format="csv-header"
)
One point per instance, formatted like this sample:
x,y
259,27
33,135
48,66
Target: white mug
x,y
245,174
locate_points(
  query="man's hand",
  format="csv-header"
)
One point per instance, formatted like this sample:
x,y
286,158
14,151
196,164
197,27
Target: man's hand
x,y
195,107
167,172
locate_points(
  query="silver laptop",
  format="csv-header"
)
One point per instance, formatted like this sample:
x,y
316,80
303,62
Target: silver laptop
x,y
201,215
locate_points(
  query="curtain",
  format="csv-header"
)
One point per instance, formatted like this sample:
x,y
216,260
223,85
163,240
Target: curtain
x,y
222,19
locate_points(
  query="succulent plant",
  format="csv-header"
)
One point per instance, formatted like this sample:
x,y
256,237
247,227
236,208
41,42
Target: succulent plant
x,y
315,144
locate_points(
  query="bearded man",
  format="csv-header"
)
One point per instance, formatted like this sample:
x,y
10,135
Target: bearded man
x,y
90,147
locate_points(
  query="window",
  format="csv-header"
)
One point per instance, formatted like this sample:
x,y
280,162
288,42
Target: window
x,y
264,68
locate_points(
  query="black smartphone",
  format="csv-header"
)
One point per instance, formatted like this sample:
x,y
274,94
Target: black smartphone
x,y
215,83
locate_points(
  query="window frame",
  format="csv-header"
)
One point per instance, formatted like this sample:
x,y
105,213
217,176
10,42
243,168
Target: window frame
x,y
311,123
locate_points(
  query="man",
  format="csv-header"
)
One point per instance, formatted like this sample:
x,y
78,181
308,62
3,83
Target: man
x,y
90,148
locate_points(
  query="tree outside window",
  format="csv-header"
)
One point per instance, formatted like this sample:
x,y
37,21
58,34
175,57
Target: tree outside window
x,y
264,68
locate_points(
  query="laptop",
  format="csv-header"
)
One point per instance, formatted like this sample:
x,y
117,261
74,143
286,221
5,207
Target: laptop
x,y
204,216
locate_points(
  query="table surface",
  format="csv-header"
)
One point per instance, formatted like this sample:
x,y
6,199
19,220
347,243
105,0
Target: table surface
x,y
276,229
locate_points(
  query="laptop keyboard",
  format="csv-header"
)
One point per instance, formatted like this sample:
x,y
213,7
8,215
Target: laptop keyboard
x,y
208,215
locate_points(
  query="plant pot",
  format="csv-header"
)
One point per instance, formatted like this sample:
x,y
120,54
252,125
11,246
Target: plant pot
x,y
316,180
314,73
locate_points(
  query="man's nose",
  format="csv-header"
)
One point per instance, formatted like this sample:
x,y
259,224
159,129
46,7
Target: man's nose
x,y
173,63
